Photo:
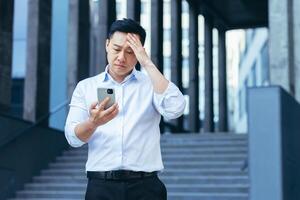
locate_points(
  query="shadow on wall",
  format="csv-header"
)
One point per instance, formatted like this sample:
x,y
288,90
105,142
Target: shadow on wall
x,y
274,144
24,152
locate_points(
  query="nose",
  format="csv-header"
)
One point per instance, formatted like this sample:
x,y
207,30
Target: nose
x,y
121,56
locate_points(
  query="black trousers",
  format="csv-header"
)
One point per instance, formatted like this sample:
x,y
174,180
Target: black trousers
x,y
147,188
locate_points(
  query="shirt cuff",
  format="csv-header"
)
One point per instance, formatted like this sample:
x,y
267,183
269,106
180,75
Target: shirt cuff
x,y
71,136
160,97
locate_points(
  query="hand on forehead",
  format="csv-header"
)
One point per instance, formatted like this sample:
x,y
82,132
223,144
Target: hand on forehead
x,y
136,36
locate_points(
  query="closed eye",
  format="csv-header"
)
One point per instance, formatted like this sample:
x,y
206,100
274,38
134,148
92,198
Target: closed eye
x,y
116,49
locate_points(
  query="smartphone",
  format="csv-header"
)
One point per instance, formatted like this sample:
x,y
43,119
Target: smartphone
x,y
106,92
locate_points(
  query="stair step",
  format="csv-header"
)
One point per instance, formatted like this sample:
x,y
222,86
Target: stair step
x,y
193,145
207,151
167,172
206,196
185,137
208,188
52,194
206,180
56,186
60,179
166,158
197,166
202,146
203,135
46,198
166,179
173,164
228,188
171,195
202,142
204,171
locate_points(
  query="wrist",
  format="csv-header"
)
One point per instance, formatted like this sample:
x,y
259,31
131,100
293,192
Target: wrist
x,y
91,125
147,64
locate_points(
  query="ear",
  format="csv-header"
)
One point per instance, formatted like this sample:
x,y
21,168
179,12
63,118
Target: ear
x,y
106,45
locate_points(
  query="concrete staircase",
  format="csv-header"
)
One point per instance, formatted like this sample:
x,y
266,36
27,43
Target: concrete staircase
x,y
197,166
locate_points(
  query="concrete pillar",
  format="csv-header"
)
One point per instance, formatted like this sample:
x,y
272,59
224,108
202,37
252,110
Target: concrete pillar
x,y
208,46
59,63
134,10
157,33
281,44
296,28
223,115
78,43
157,40
107,15
194,119
274,151
36,92
6,40
176,50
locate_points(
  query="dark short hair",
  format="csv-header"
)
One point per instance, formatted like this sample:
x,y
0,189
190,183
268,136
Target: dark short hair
x,y
127,26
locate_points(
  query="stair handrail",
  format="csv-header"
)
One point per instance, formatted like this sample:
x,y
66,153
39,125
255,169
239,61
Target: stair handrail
x,y
53,111
37,122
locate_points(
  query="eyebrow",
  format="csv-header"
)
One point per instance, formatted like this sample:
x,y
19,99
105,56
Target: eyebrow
x,y
118,46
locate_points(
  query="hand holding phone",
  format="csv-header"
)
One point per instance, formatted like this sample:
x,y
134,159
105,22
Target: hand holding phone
x,y
102,93
104,109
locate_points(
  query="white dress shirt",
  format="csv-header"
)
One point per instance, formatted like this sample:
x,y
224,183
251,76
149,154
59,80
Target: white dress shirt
x,y
131,140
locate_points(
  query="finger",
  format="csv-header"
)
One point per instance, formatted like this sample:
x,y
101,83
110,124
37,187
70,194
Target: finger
x,y
93,105
133,40
103,103
132,46
110,109
133,37
131,43
113,114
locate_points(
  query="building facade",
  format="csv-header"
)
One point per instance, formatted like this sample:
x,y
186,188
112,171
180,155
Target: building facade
x,y
253,72
64,53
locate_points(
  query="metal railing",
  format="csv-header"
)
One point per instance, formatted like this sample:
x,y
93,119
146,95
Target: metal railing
x,y
36,123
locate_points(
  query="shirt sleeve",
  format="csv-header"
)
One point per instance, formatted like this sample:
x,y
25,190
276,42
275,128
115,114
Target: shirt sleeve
x,y
78,113
171,103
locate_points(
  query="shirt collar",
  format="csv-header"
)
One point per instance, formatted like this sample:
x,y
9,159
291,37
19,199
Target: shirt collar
x,y
105,76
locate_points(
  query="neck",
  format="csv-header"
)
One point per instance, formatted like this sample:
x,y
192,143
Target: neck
x,y
116,77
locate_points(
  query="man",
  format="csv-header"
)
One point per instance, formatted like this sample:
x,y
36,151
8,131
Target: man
x,y
123,140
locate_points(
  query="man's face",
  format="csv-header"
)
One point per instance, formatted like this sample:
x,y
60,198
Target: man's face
x,y
120,56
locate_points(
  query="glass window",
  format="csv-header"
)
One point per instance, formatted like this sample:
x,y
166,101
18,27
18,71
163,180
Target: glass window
x,y
185,33
185,6
265,64
242,100
167,7
185,72
167,67
253,74
118,7
167,34
143,7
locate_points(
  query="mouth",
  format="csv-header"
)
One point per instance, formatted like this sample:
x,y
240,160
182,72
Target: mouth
x,y
121,66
